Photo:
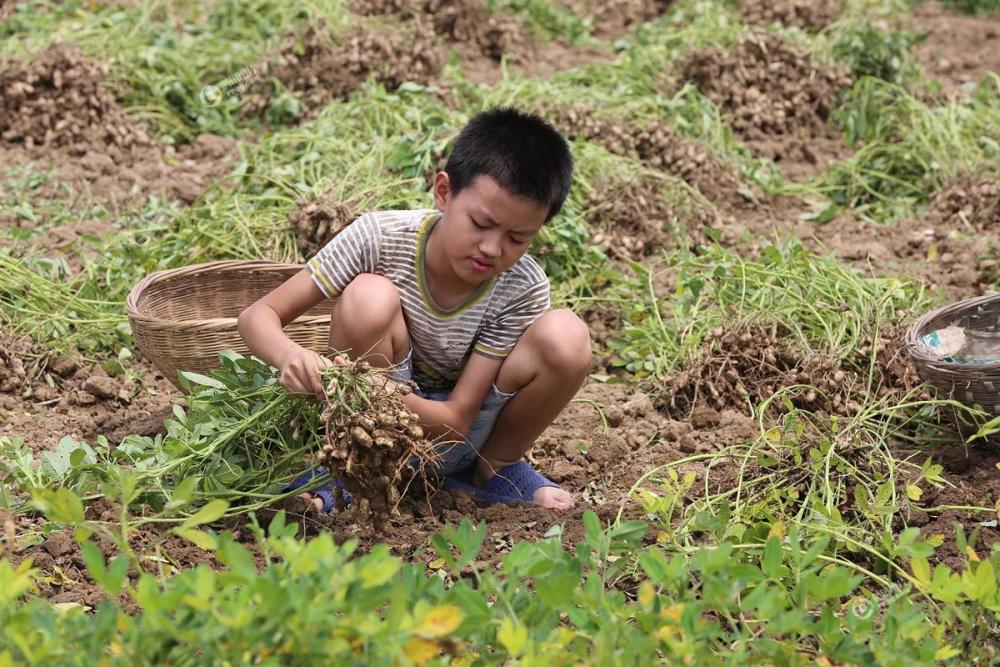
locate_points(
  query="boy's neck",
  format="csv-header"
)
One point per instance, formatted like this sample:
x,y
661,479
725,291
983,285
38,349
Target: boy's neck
x,y
447,289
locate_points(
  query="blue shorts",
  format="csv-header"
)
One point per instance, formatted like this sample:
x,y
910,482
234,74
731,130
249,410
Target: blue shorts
x,y
459,454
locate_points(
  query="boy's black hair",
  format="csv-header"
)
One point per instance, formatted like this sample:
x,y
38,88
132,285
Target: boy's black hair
x,y
525,155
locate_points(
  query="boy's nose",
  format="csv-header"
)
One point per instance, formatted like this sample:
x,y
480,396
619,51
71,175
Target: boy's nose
x,y
490,248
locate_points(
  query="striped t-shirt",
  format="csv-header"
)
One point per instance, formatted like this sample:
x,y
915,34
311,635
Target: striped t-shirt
x,y
490,321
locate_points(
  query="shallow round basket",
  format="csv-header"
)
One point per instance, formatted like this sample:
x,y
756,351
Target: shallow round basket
x,y
182,318
977,384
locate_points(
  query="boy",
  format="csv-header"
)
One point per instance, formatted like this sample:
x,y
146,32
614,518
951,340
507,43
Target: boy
x,y
450,299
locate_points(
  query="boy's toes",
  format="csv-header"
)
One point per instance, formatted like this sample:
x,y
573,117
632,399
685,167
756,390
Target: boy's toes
x,y
315,502
553,497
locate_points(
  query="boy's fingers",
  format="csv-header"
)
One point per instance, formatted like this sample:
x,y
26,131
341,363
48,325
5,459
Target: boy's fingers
x,y
339,360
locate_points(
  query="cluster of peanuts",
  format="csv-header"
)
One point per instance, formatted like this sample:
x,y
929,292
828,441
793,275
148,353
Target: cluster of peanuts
x,y
318,69
373,443
315,221
653,143
808,14
463,22
747,365
60,99
768,86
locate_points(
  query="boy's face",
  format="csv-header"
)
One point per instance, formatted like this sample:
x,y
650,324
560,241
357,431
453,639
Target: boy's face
x,y
484,230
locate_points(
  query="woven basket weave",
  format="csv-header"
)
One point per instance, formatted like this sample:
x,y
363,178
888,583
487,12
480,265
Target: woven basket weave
x,y
182,318
966,383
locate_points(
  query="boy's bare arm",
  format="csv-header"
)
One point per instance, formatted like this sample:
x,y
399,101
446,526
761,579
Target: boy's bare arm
x,y
261,327
454,417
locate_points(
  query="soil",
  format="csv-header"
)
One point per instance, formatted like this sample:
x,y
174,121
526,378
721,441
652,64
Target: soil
x,y
318,69
57,115
597,455
974,481
959,48
953,247
777,98
44,397
812,15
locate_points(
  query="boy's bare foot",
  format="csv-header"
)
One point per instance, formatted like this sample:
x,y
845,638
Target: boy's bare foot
x,y
315,502
552,497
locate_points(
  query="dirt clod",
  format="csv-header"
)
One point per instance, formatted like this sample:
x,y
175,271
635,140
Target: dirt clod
x,y
101,386
57,544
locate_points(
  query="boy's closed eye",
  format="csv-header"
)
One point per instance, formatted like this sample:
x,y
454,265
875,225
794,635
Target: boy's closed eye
x,y
517,240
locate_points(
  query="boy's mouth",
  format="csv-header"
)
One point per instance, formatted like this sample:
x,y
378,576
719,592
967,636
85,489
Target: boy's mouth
x,y
481,265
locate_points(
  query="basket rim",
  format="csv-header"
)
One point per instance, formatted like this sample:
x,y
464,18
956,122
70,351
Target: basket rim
x,y
954,310
207,323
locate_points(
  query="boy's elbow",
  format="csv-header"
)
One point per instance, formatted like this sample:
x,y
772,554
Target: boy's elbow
x,y
244,322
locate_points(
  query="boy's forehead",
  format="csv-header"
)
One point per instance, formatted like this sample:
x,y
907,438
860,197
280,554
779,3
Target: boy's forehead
x,y
497,205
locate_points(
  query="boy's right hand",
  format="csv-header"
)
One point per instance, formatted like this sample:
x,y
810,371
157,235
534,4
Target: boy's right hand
x,y
298,370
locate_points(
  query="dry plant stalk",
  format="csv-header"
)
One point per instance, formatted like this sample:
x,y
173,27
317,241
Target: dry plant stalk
x,y
374,444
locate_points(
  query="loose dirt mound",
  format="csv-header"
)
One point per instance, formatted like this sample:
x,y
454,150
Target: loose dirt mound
x,y
813,15
778,98
655,144
749,364
959,49
616,17
462,22
59,99
56,113
318,70
315,221
968,205
770,87
637,219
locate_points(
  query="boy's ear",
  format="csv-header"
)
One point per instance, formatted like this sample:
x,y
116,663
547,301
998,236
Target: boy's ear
x,y
442,189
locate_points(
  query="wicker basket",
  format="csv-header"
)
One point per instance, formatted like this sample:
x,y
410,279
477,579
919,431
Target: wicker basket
x,y
969,384
182,318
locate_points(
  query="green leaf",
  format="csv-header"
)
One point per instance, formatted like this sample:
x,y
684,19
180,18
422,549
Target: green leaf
x,y
61,505
199,379
772,557
513,636
199,538
207,514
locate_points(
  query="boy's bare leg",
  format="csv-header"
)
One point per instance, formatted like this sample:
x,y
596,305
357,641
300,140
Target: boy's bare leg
x,y
368,321
546,368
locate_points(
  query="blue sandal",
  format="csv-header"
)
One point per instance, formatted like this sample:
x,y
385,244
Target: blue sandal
x,y
324,492
511,484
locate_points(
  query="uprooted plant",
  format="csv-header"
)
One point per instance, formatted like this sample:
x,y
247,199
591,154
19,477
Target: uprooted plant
x,y
243,440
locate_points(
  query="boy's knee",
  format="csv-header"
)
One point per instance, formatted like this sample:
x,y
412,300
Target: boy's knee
x,y
564,341
369,302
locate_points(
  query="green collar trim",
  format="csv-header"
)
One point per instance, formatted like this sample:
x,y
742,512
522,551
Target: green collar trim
x,y
423,234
